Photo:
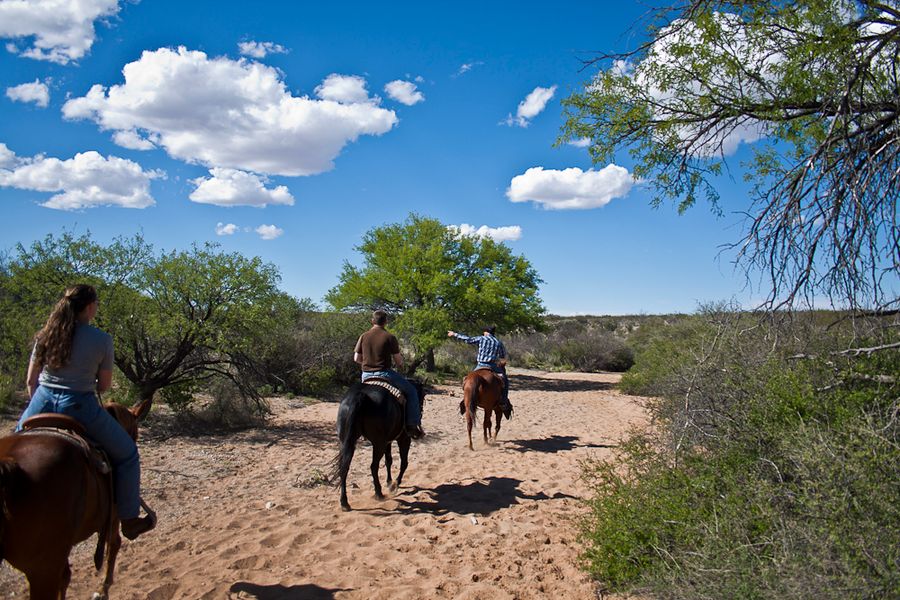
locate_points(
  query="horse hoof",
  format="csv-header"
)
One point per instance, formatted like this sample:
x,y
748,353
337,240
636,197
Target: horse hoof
x,y
98,596
393,486
345,507
379,497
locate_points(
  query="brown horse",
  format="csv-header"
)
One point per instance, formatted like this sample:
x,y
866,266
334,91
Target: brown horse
x,y
482,388
53,496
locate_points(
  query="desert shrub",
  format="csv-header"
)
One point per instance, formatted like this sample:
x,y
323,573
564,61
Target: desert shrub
x,y
312,353
578,343
770,470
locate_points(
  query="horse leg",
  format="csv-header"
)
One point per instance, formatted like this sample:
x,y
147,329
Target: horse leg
x,y
47,583
345,457
388,461
402,445
377,453
497,414
487,426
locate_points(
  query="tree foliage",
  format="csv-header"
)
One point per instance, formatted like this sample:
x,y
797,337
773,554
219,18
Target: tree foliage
x,y
177,319
433,279
814,86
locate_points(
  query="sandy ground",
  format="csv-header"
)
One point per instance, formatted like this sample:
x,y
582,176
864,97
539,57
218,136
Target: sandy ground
x,y
247,515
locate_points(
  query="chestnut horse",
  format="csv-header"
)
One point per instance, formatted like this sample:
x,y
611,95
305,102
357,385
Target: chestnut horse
x,y
53,496
372,412
482,388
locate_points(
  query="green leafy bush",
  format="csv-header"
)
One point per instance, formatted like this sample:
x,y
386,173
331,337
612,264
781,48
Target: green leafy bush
x,y
771,469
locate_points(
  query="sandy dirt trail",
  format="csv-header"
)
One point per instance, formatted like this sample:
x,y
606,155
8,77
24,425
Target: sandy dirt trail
x,y
245,515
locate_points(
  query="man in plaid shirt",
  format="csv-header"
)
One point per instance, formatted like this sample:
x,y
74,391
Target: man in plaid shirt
x,y
491,355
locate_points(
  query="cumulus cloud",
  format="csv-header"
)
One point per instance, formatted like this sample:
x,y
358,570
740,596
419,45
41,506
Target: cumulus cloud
x,y
87,180
236,114
580,142
533,104
36,92
269,232
226,229
260,49
571,188
509,233
404,92
59,31
346,89
132,140
230,187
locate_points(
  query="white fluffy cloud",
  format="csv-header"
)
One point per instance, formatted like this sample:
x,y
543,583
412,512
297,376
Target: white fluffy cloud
x,y
509,233
404,92
230,187
226,229
269,232
571,188
346,89
580,142
35,91
232,113
87,180
533,104
260,49
59,30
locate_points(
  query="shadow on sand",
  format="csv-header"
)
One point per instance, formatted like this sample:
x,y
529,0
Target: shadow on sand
x,y
479,497
542,384
306,591
553,444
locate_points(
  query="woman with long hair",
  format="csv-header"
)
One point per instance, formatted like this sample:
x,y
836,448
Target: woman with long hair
x,y
71,363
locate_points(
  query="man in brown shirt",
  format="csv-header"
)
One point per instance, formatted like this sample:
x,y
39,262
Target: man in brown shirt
x,y
376,351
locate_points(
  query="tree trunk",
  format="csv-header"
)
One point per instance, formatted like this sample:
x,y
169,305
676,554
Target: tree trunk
x,y
429,361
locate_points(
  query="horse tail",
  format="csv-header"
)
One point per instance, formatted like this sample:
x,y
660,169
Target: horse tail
x,y
471,390
347,424
7,470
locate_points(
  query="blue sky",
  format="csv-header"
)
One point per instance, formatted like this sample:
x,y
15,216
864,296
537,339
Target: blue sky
x,y
288,130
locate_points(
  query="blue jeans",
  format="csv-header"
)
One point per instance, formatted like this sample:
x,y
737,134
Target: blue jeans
x,y
413,410
103,429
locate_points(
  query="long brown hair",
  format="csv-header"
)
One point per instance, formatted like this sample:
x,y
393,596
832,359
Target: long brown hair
x,y
53,343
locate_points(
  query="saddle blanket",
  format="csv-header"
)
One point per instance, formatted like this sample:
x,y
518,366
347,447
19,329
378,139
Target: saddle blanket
x,y
394,390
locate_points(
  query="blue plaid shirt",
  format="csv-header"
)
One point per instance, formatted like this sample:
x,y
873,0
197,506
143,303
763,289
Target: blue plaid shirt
x,y
490,349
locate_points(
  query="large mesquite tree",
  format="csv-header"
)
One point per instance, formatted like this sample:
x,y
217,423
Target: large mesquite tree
x,y
814,87
433,279
177,318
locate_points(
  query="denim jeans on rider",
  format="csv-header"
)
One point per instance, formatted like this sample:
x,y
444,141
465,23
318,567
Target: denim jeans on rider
x,y
103,429
413,408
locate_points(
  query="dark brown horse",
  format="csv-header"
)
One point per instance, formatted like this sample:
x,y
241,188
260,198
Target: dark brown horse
x,y
372,412
482,388
53,496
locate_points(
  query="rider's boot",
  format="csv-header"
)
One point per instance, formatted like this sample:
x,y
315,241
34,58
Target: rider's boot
x,y
415,432
132,528
506,407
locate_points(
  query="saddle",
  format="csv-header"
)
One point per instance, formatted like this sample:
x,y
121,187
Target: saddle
x,y
386,384
69,429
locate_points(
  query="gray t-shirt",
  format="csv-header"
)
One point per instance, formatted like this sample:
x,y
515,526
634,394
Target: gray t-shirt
x,y
92,350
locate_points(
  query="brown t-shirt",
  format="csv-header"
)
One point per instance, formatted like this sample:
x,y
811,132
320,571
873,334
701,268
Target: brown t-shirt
x,y
376,346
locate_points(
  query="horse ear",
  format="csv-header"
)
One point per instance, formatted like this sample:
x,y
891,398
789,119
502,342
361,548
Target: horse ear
x,y
143,409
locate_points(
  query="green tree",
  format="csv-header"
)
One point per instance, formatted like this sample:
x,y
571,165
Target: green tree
x,y
814,86
433,279
178,319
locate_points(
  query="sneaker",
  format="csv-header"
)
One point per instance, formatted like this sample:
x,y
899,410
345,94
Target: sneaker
x,y
132,528
414,431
